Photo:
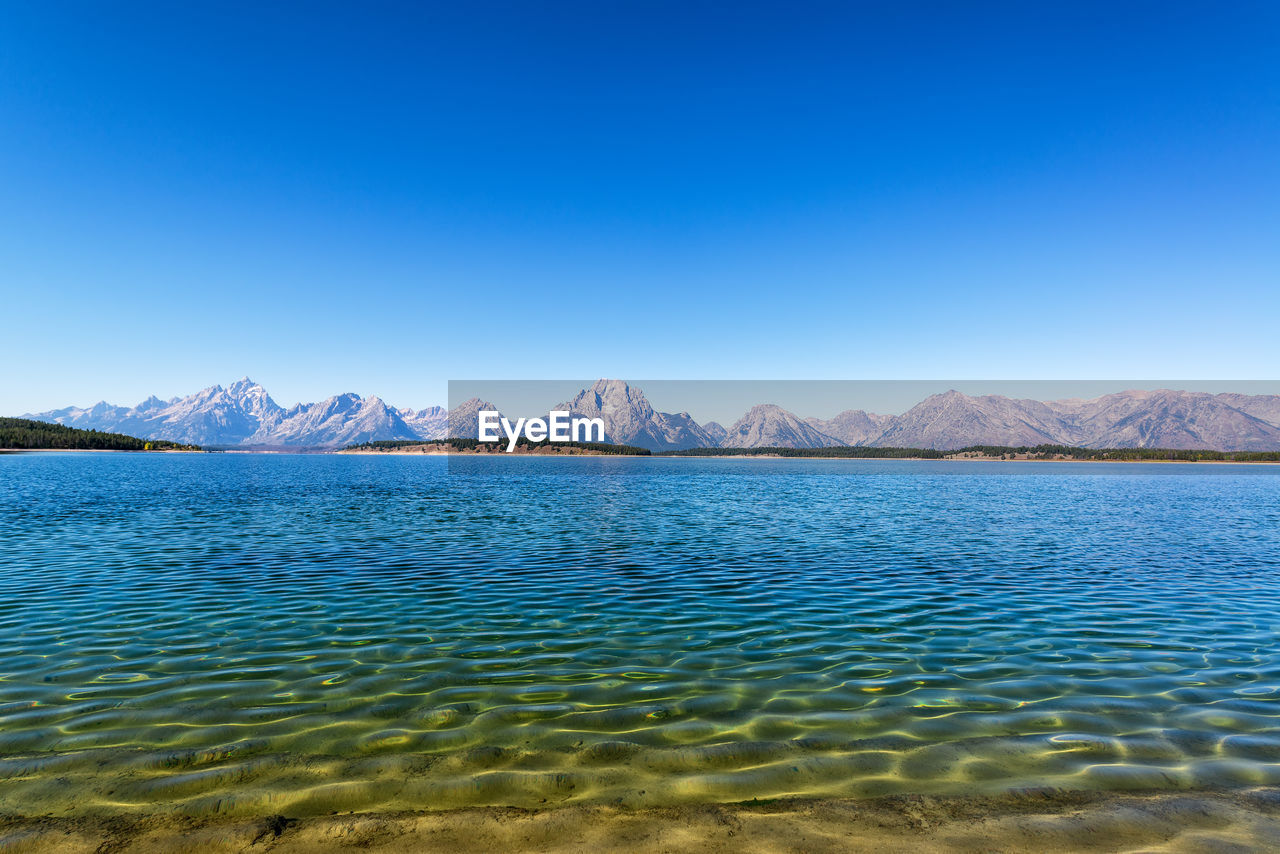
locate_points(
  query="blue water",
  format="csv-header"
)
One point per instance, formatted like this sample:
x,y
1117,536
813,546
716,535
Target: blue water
x,y
260,633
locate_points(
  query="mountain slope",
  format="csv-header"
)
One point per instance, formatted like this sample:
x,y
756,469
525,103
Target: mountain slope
x,y
429,423
853,426
630,420
1173,419
770,426
1265,407
954,420
463,421
341,420
716,432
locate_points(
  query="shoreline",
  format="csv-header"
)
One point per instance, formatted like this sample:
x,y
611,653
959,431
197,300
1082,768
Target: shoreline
x,y
970,460
559,454
434,453
1043,820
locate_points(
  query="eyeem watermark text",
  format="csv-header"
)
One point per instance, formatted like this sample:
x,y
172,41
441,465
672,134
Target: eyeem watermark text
x,y
558,426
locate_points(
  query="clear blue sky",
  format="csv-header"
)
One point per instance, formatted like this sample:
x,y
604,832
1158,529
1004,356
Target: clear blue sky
x,y
380,197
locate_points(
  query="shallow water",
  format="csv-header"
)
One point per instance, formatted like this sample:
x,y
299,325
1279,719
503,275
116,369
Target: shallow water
x,y
303,634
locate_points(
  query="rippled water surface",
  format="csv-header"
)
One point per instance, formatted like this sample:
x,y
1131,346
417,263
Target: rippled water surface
x,y
302,634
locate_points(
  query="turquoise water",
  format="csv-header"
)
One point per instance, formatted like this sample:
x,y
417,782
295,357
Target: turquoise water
x,y
302,634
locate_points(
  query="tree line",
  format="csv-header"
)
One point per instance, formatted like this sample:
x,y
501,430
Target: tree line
x,y
25,435
1123,454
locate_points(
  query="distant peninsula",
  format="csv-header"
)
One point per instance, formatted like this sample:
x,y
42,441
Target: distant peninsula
x,y
22,434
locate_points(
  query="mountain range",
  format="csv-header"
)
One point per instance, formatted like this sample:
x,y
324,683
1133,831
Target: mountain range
x,y
244,415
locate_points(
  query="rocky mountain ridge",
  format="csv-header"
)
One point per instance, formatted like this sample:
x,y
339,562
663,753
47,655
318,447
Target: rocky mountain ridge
x,y
244,415
630,420
768,425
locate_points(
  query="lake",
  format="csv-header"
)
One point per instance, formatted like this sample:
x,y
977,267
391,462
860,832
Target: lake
x,y
303,634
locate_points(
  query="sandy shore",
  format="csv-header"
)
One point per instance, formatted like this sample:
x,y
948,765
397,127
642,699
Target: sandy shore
x,y
1041,821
